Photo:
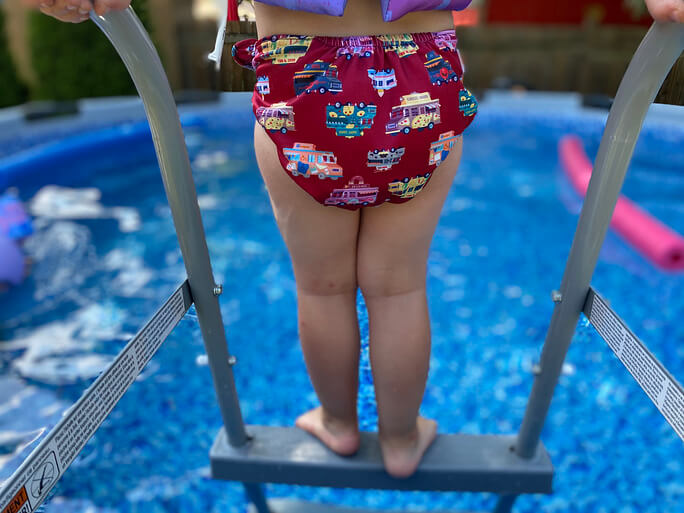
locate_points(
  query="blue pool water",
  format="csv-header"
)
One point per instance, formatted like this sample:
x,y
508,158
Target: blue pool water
x,y
102,270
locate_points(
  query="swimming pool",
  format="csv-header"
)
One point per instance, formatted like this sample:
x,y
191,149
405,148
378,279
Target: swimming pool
x,y
499,250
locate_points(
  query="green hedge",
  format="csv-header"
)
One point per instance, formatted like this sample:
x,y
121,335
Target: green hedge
x,y
74,61
12,89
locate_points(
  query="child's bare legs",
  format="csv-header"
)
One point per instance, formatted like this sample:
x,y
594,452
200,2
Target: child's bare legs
x,y
322,242
392,258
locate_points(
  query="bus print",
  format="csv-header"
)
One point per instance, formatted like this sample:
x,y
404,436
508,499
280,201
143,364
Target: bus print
x,y
439,69
356,192
286,50
382,80
317,76
416,111
467,103
439,149
356,45
382,160
408,187
277,117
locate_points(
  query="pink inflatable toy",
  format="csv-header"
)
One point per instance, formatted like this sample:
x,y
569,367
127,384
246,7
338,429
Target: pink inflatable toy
x,y
655,241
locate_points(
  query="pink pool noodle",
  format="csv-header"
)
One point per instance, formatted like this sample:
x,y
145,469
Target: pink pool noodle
x,y
655,241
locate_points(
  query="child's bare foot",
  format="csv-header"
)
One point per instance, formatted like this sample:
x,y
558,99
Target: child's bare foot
x,y
402,454
337,436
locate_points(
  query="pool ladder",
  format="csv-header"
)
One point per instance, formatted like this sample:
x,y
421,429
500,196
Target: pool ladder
x,y
508,465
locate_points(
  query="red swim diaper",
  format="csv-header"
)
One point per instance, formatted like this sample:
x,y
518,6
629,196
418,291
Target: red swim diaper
x,y
359,121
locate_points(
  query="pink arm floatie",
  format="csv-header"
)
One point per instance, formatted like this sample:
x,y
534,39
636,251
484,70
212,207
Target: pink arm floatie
x,y
391,9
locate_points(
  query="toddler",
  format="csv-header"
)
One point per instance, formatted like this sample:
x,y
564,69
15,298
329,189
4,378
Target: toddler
x,y
357,138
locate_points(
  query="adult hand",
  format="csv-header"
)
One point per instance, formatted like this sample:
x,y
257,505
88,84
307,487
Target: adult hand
x,y
76,11
666,10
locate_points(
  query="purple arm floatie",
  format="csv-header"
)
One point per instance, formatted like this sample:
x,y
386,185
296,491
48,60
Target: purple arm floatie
x,y
391,9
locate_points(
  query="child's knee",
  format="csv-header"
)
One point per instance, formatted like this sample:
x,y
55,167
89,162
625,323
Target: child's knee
x,y
390,279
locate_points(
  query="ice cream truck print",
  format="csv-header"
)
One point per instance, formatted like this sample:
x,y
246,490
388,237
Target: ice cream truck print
x,y
286,50
416,111
439,69
408,187
356,192
403,44
318,76
382,80
305,160
356,45
278,116
440,148
263,86
382,160
467,102
350,120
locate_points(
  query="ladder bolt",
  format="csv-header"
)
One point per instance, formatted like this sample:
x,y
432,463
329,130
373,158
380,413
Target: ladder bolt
x,y
218,289
536,369
556,296
232,360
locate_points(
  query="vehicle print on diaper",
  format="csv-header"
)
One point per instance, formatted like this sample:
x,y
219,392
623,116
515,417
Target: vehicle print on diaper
x,y
318,76
415,112
402,44
263,86
382,160
356,192
276,117
356,45
446,40
304,159
467,103
382,80
439,69
285,50
408,187
439,149
351,119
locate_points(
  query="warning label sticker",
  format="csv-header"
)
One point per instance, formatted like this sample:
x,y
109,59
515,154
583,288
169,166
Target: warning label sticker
x,y
665,392
30,484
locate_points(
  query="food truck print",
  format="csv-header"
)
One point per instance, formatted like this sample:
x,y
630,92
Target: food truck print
x,y
382,80
467,103
304,159
285,50
356,192
263,86
439,69
317,76
382,160
446,40
440,148
278,116
408,187
356,45
403,44
350,120
416,111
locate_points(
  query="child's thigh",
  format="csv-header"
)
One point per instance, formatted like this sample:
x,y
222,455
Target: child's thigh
x,y
394,239
322,240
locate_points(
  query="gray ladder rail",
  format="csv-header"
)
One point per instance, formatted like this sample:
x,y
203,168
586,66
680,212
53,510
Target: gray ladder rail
x,y
454,462
656,54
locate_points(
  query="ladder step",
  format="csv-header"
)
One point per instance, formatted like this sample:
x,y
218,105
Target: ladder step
x,y
476,463
297,506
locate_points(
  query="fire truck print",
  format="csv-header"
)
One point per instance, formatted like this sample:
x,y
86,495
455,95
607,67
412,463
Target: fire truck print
x,y
277,117
356,45
439,69
382,160
416,111
317,76
286,50
440,148
350,120
304,159
263,86
382,80
356,192
467,103
402,44
408,187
